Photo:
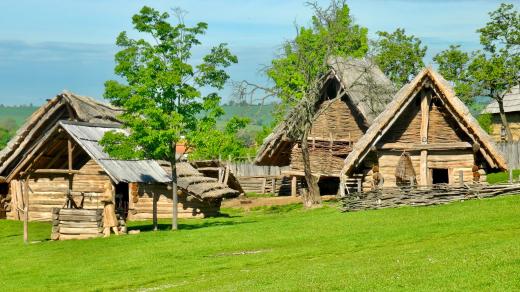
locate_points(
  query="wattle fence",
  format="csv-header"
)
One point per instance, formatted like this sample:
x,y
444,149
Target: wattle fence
x,y
511,152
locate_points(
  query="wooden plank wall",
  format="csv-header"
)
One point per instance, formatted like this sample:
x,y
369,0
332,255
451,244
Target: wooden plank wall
x,y
250,169
514,124
511,152
141,203
264,184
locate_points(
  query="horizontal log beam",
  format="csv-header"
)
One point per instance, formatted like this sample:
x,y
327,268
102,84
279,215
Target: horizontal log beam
x,y
419,147
57,171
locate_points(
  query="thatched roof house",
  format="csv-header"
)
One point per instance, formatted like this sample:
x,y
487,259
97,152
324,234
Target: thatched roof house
x,y
427,127
512,110
56,155
339,123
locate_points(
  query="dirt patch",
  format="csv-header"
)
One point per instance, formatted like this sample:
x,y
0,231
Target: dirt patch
x,y
248,203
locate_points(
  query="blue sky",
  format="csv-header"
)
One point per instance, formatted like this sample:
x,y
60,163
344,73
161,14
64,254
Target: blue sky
x,y
52,45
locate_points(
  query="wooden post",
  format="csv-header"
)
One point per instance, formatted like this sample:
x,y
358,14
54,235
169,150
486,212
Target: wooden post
x,y
220,175
425,116
461,178
511,175
273,185
226,175
342,186
264,182
26,224
359,185
69,151
154,211
294,181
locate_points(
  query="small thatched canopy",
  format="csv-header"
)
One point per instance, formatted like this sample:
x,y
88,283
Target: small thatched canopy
x,y
403,98
366,87
195,183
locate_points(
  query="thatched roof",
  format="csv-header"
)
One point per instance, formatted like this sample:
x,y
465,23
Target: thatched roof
x,y
195,183
211,168
64,106
511,102
364,84
402,99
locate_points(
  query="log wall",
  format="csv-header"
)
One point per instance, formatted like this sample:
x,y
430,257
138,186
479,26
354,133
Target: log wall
x,y
141,203
47,191
76,223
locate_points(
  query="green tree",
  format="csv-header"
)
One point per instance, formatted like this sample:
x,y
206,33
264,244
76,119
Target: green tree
x,y
208,142
398,55
492,71
453,64
161,94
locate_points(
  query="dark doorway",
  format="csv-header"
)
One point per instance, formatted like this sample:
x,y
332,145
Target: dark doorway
x,y
440,176
122,200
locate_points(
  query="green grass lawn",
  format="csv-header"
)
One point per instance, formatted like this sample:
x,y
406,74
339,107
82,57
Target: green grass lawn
x,y
473,245
502,177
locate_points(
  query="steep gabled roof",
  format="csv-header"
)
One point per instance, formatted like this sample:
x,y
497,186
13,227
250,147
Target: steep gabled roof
x,y
367,87
511,102
66,105
400,102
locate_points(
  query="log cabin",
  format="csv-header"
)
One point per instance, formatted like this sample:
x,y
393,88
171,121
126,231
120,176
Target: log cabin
x,y
353,93
512,111
425,136
55,161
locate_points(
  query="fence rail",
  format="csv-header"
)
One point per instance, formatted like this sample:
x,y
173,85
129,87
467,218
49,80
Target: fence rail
x,y
511,152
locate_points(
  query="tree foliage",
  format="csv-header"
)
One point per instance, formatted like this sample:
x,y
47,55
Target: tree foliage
x,y
398,55
453,64
208,142
161,94
495,69
333,33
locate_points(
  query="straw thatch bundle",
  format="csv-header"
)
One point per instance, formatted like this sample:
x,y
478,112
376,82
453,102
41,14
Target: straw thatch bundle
x,y
404,172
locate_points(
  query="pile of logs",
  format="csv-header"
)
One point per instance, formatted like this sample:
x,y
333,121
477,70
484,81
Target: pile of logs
x,y
422,196
76,223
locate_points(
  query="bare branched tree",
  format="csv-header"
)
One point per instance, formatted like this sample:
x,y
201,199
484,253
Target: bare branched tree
x,y
303,72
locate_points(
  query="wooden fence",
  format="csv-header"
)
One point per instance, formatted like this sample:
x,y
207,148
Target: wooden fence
x,y
261,179
511,152
423,195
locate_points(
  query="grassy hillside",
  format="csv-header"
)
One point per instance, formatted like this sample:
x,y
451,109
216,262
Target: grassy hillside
x,y
18,113
471,245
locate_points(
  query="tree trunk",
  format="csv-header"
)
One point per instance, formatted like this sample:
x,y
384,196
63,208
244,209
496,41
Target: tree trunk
x,y
175,198
311,197
503,117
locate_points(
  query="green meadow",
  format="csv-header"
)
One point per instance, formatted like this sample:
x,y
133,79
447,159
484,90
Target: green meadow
x,y
471,245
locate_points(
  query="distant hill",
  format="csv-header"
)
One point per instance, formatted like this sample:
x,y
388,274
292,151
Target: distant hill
x,y
260,115
17,113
